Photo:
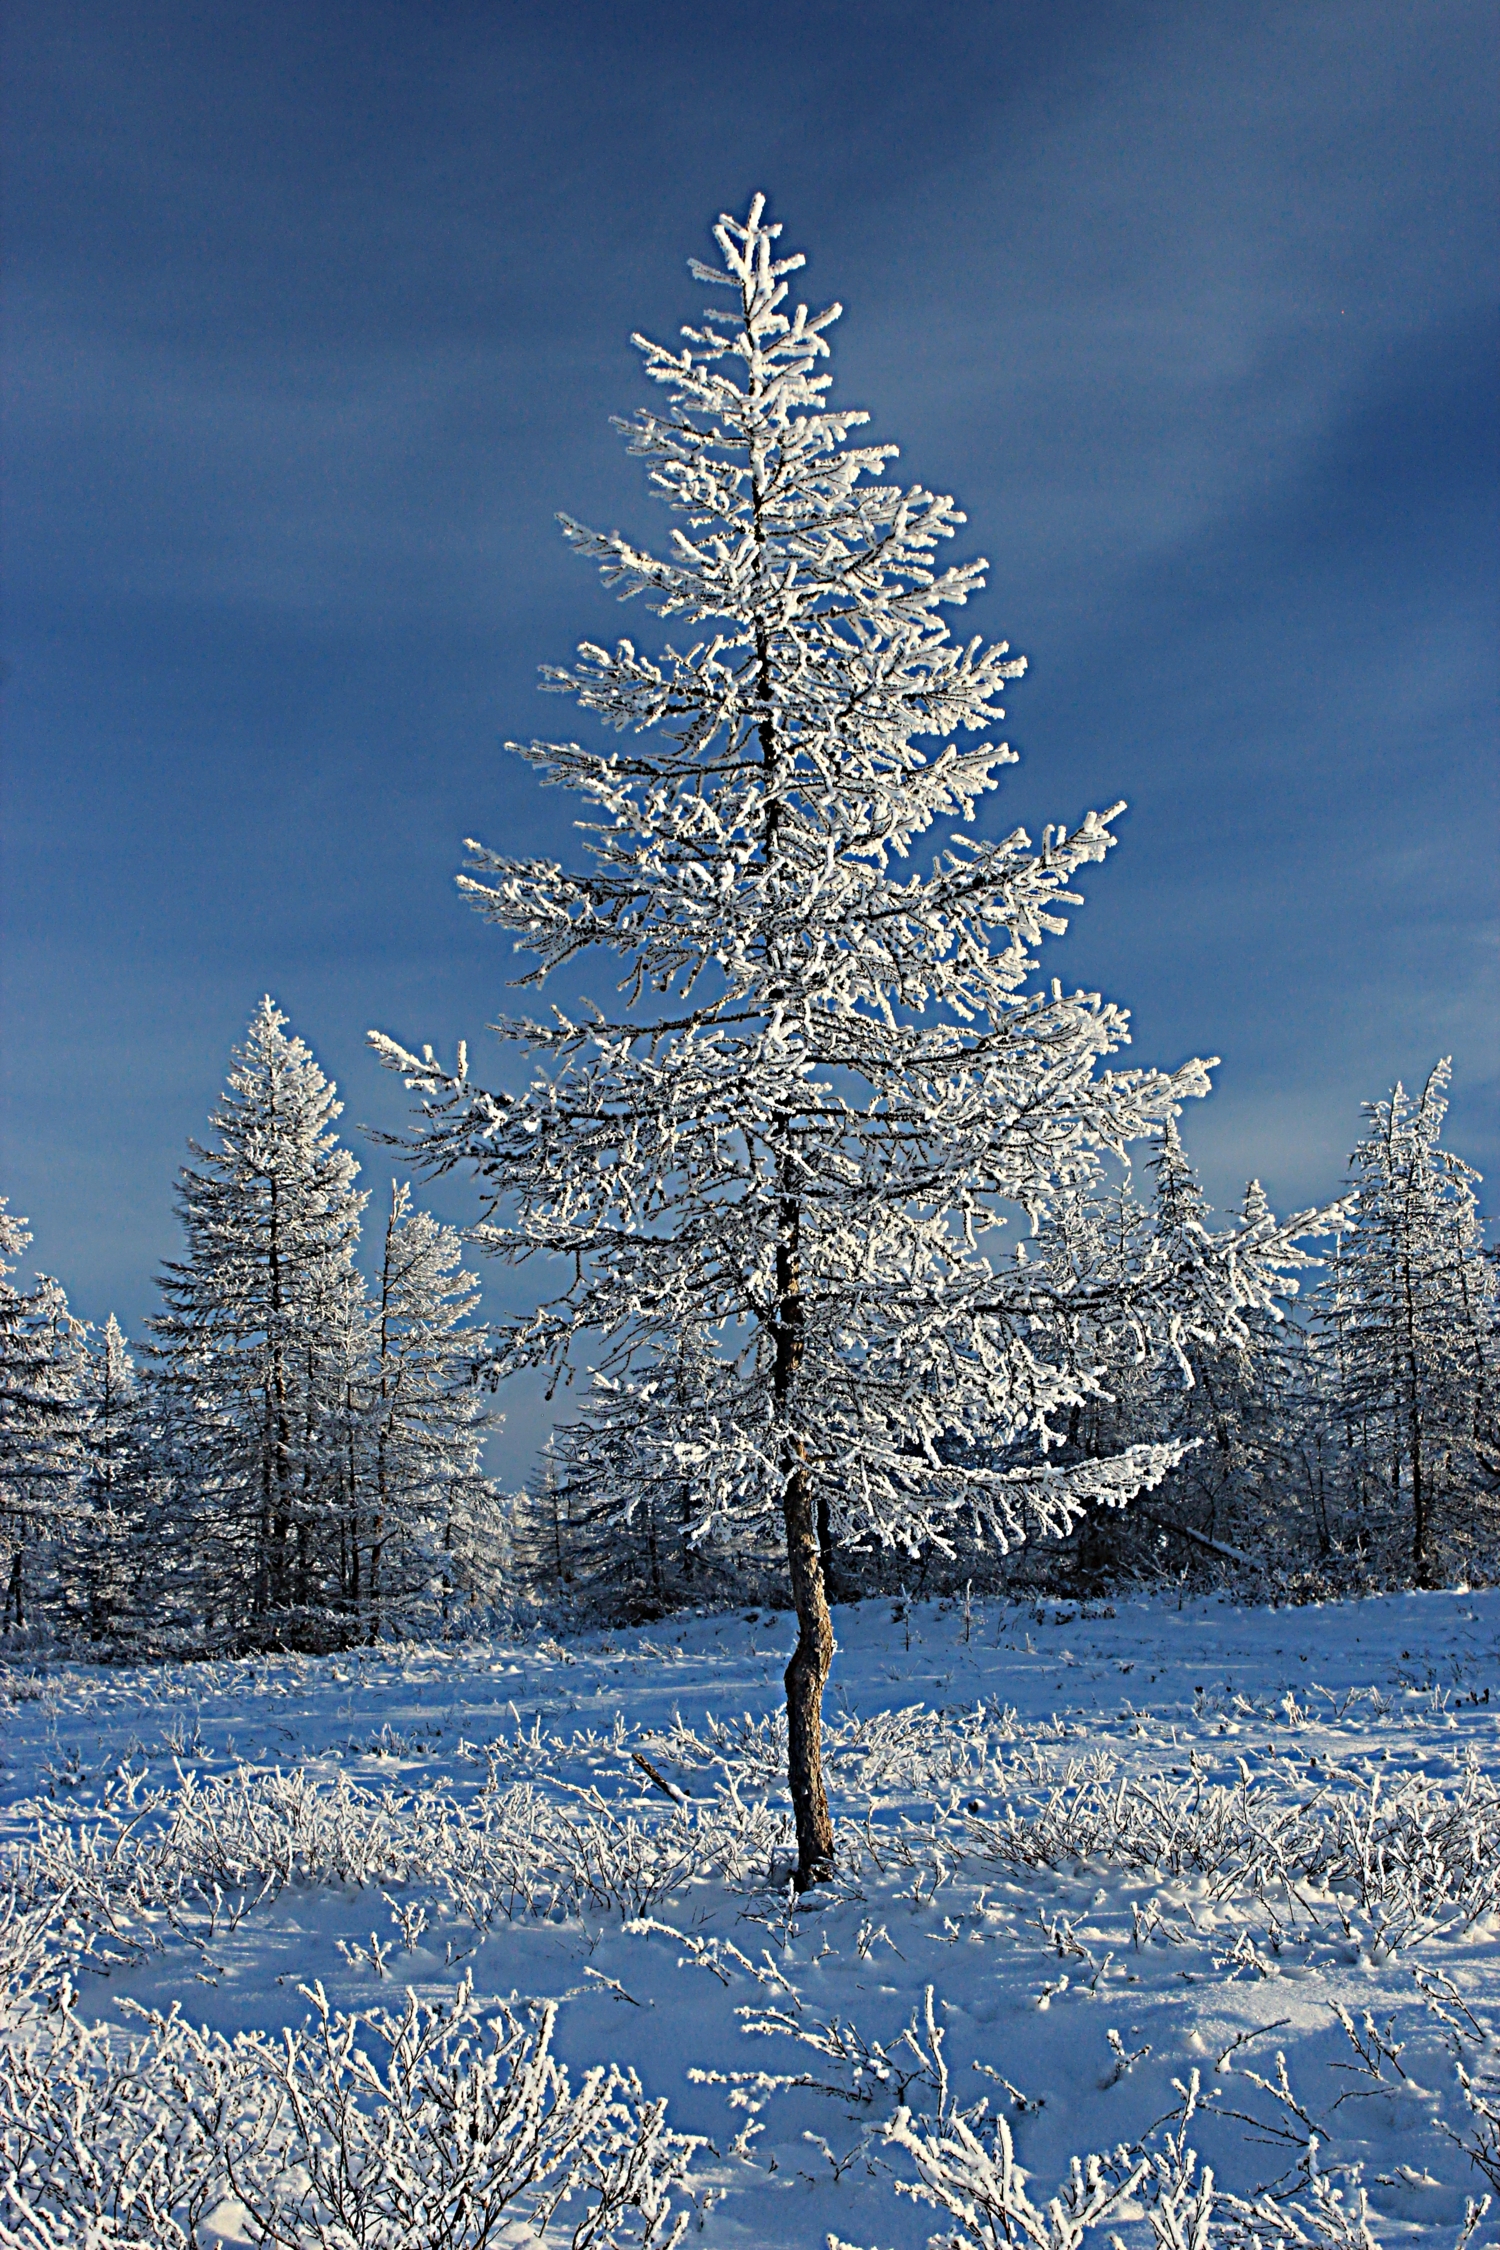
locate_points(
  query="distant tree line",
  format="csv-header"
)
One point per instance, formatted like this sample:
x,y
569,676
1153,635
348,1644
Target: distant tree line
x,y
1349,1442
296,1453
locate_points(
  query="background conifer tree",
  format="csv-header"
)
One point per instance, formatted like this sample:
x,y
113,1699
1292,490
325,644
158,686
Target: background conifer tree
x,y
1177,1330
1409,1315
616,1520
41,1347
252,1344
110,1566
431,1508
1234,1367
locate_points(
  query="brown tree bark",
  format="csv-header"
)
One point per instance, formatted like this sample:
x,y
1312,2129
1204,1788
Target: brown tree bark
x,y
1419,1499
805,1678
825,1547
813,1656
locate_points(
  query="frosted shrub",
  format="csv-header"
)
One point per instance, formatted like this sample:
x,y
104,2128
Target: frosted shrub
x,y
965,2167
1388,1859
371,2132
1474,2045
984,2189
124,2142
199,1860
37,2229
1415,1854
434,2129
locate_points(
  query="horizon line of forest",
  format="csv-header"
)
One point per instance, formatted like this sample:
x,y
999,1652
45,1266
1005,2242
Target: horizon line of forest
x,y
296,1455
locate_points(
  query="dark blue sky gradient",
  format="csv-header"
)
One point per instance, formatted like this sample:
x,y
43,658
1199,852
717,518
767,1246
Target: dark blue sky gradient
x,y
318,313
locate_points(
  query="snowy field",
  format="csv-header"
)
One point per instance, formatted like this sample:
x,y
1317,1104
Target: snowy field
x,y
1083,1857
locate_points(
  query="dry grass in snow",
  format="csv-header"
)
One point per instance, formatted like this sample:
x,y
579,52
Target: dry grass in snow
x,y
1171,1927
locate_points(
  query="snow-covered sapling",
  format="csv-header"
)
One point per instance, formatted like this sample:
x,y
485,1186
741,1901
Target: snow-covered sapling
x,y
831,1081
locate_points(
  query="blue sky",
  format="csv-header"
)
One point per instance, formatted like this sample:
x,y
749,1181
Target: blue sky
x,y
317,314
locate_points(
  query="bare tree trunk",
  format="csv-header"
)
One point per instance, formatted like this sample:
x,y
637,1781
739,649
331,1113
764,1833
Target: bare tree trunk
x,y
1320,1502
805,1678
813,1655
1419,1501
372,1577
825,1548
687,1544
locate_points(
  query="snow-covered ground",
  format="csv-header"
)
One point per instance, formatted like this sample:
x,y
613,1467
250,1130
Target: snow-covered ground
x,y
1116,1847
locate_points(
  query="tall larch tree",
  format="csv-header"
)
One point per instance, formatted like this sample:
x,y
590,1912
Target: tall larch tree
x,y
428,1415
830,1076
110,1565
41,1348
1234,1367
1409,1312
252,1343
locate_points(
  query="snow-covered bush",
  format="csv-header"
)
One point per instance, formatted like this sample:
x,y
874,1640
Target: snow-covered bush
x,y
200,1857
371,2132
1389,1858
964,2165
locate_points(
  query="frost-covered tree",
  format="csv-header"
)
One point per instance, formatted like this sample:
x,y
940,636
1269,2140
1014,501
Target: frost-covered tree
x,y
1188,1322
832,1079
40,1457
349,1386
615,1524
252,1346
109,1566
1409,1328
541,1531
430,1509
1232,1396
